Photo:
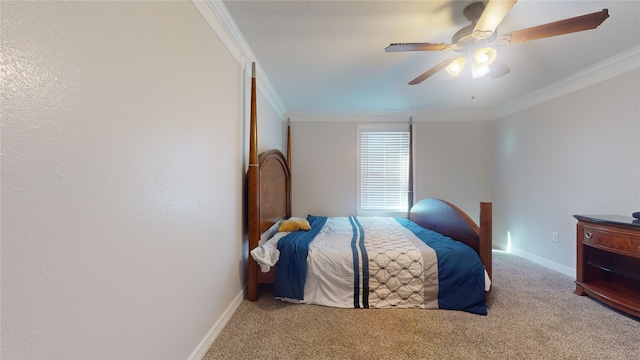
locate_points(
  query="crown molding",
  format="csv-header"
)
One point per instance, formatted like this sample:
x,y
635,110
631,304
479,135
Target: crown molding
x,y
604,70
349,116
218,17
391,116
456,115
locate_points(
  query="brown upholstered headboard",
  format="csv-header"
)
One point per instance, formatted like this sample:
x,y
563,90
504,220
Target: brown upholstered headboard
x,y
275,189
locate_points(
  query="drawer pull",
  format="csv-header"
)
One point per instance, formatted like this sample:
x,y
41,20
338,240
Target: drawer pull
x,y
588,235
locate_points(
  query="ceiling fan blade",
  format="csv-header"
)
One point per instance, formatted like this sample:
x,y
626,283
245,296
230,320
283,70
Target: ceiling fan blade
x,y
493,14
566,26
415,47
431,71
498,69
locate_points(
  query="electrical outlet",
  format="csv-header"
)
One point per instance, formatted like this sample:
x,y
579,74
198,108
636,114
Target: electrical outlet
x,y
555,237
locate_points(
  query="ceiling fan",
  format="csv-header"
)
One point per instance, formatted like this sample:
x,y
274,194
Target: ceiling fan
x,y
476,41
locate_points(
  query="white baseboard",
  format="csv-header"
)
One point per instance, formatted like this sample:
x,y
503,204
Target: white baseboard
x,y
545,262
202,348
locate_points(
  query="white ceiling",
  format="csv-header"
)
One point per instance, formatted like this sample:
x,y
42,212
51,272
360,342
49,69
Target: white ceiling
x,y
328,56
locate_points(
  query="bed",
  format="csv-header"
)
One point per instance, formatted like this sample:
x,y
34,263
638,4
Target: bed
x,y
439,257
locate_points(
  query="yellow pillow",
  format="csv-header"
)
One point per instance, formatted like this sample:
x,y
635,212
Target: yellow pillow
x,y
294,224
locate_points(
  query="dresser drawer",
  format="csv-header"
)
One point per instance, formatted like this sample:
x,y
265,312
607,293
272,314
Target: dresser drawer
x,y
618,241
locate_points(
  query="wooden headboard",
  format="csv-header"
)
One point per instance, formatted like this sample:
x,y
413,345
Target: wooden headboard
x,y
269,193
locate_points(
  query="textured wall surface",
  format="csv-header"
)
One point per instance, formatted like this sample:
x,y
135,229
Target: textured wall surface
x,y
121,179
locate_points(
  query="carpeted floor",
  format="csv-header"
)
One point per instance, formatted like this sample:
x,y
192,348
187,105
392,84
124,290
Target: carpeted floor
x,y
533,314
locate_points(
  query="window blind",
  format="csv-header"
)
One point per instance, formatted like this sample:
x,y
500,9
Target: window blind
x,y
384,170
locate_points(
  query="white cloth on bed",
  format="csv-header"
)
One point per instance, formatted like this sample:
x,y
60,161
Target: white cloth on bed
x,y
267,254
487,281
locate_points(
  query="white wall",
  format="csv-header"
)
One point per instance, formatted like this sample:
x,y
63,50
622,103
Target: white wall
x,y
122,180
323,168
573,154
453,161
576,154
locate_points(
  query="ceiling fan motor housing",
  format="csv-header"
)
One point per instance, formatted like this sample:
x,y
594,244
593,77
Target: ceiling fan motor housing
x,y
463,42
473,11
463,37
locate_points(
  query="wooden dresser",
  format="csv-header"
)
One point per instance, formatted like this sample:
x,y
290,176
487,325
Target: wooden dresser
x,y
608,260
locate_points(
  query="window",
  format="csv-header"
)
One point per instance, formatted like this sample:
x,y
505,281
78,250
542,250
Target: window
x,y
383,176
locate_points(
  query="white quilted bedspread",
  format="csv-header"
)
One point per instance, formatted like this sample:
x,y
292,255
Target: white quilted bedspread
x,y
402,269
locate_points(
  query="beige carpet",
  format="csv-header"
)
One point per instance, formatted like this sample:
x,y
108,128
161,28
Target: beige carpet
x,y
533,314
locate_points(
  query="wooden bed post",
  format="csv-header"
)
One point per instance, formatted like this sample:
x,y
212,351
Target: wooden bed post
x,y
410,193
486,240
253,196
289,143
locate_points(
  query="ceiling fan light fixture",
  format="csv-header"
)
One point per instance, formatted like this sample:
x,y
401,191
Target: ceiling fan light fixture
x,y
478,71
485,56
456,66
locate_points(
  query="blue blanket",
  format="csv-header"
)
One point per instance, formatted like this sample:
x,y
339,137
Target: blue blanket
x,y
292,265
460,271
